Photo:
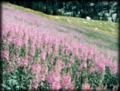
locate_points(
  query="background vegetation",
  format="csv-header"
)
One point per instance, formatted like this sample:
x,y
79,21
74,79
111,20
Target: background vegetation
x,y
102,10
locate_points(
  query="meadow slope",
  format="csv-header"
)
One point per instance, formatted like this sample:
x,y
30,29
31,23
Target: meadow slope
x,y
102,34
46,52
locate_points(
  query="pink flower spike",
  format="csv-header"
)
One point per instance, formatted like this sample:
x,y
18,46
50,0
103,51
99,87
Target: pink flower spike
x,y
35,68
25,62
18,42
66,82
101,66
85,87
43,56
56,86
5,54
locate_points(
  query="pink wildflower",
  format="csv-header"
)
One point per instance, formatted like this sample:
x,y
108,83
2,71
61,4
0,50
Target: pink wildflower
x,y
22,62
43,56
84,65
34,84
5,54
59,65
86,87
43,73
66,82
91,70
25,62
54,79
35,68
56,86
101,66
49,50
71,61
18,42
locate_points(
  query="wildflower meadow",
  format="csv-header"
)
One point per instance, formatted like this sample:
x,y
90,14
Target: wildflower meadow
x,y
40,60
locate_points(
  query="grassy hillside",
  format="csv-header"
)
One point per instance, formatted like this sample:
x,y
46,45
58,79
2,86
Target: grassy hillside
x,y
101,30
94,25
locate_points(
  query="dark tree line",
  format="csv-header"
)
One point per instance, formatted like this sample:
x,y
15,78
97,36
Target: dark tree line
x,y
102,10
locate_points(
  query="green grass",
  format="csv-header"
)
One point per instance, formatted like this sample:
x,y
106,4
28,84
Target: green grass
x,y
105,27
